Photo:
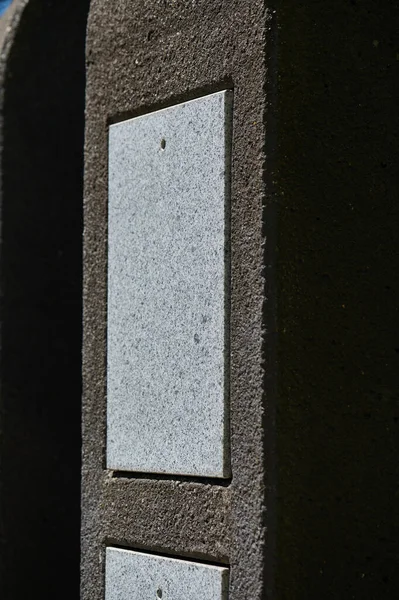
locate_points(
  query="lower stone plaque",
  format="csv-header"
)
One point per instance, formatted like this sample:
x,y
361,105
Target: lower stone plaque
x,y
133,575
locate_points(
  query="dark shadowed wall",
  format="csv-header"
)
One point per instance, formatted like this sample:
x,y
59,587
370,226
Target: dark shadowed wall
x,y
42,121
338,414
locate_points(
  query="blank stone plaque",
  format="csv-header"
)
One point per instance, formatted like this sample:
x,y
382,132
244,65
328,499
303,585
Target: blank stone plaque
x,y
168,281
137,576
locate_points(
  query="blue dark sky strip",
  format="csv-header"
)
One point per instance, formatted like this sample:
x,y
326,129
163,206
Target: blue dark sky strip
x,y
4,4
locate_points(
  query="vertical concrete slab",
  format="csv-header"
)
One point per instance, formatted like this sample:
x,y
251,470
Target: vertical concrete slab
x,y
133,575
145,59
168,290
313,175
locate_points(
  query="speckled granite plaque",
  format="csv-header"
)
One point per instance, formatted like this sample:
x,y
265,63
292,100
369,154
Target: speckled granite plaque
x,y
133,575
168,279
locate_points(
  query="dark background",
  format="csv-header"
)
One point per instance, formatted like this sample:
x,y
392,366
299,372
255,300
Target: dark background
x,y
338,265
42,124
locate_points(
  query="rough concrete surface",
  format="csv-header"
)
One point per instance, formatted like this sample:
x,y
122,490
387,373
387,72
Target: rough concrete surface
x,y
143,56
314,226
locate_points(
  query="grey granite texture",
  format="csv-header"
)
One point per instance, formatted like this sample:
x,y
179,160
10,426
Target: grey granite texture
x,y
133,575
167,264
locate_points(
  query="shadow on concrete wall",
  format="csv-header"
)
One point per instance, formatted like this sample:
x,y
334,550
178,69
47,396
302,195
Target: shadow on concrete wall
x,y
41,214
338,521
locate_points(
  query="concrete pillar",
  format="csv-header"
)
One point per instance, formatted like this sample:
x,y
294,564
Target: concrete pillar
x,y
144,57
240,376
305,505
